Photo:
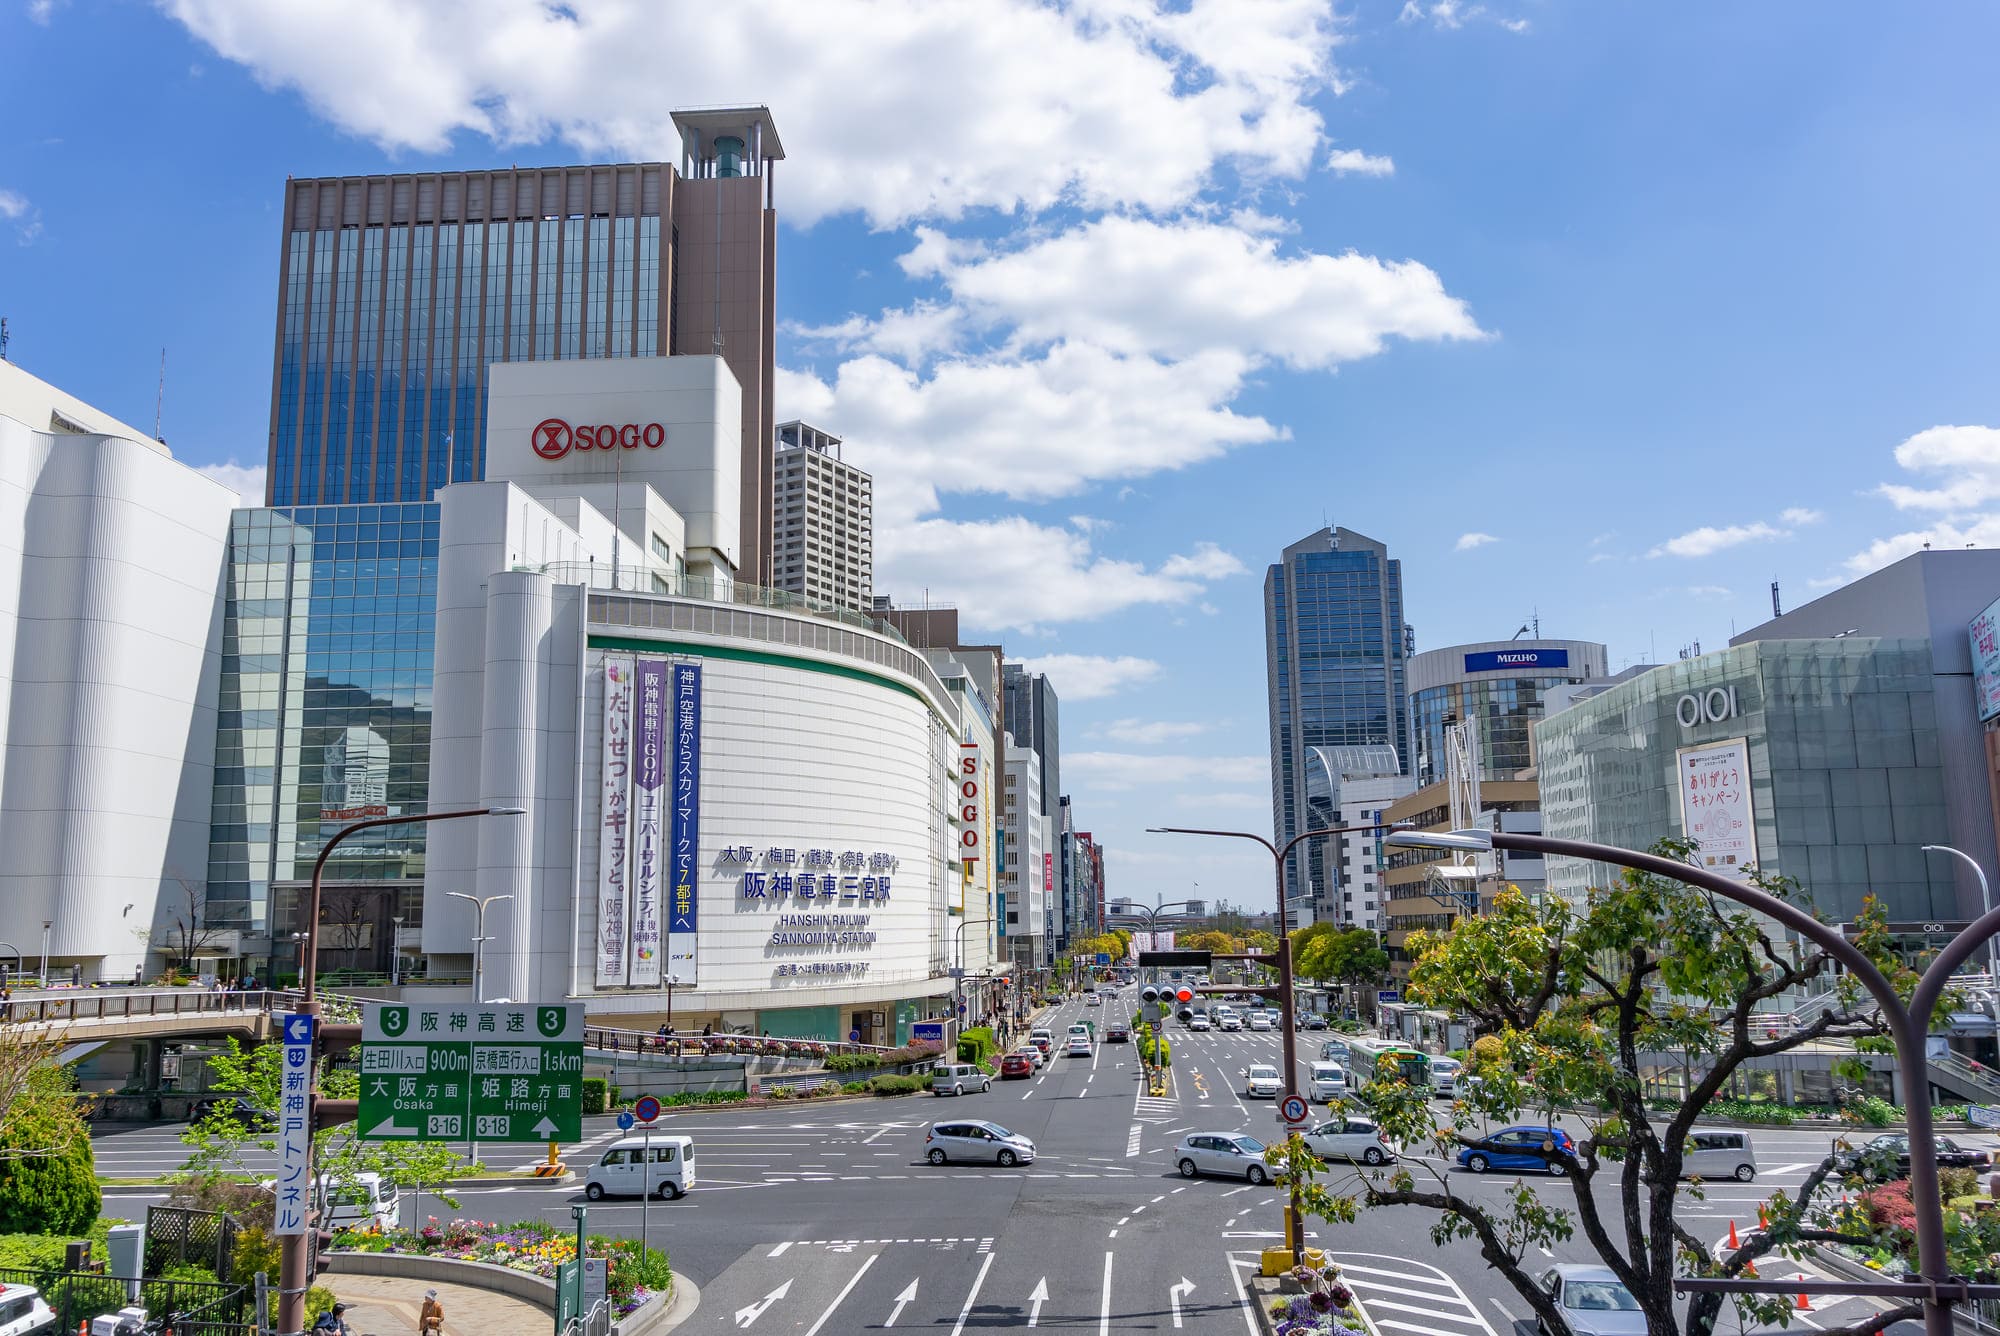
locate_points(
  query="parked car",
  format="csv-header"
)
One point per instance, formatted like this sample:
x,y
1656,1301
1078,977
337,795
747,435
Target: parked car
x,y
1263,1082
238,1110
1226,1153
977,1141
624,1171
1350,1138
23,1311
1593,1300
1117,1034
955,1078
1017,1066
1519,1148
1329,1081
1871,1159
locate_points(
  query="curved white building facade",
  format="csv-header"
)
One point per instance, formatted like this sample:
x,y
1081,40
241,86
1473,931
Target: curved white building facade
x,y
111,553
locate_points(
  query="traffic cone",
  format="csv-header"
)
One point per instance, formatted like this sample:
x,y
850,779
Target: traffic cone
x,y
1805,1304
1763,1220
1733,1244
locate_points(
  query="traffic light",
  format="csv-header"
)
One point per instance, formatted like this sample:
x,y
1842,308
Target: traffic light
x,y
1149,994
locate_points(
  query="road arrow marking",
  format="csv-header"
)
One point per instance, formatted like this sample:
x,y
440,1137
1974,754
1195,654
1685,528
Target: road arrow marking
x,y
901,1299
1175,1294
545,1129
1037,1299
388,1128
745,1316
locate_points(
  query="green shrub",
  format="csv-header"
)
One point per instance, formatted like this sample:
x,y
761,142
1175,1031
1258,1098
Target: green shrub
x,y
896,1085
855,1087
54,1192
853,1062
596,1094
976,1045
687,1097
1873,1110
1956,1183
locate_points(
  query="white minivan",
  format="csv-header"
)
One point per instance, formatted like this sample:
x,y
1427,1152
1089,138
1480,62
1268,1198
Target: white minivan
x,y
1713,1153
623,1170
364,1200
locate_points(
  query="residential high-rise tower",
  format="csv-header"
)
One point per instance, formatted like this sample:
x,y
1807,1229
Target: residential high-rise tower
x,y
822,521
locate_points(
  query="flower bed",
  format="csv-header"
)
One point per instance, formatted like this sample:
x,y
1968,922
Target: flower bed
x,y
533,1246
1324,1308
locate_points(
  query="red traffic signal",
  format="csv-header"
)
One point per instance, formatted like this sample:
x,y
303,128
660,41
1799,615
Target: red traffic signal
x,y
1184,994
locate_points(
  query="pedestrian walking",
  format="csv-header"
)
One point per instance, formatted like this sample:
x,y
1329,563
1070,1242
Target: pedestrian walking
x,y
430,1322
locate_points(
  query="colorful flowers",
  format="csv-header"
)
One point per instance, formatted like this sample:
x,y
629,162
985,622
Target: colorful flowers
x,y
533,1246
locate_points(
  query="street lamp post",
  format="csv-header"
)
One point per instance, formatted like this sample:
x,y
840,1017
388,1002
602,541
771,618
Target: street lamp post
x,y
1907,1025
1992,946
958,936
47,925
396,953
292,1247
1287,1003
478,937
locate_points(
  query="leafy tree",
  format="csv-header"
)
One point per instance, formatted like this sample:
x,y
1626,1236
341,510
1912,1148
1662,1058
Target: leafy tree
x,y
1574,1002
339,1155
1259,940
1343,954
1208,940
48,1177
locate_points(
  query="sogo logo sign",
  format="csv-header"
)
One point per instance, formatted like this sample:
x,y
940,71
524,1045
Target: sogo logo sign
x,y
553,438
969,807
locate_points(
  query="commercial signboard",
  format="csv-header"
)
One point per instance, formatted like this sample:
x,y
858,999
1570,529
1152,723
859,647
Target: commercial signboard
x,y
294,1126
1500,660
614,852
1985,633
684,784
487,1071
649,809
1716,810
971,804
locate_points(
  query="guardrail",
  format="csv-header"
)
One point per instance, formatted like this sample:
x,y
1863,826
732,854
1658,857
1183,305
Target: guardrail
x,y
1968,1075
640,1043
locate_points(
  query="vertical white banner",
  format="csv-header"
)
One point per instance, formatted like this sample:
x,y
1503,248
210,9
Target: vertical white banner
x,y
293,1188
649,809
614,849
1716,810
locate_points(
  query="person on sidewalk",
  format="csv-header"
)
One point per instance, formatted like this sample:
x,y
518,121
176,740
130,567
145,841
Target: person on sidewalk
x,y
333,1321
431,1321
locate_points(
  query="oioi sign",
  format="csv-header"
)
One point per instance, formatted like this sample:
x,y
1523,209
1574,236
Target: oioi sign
x,y
488,1072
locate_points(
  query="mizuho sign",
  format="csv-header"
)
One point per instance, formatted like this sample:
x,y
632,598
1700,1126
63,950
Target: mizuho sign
x,y
1706,707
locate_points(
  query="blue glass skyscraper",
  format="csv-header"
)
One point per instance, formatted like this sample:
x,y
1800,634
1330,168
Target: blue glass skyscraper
x,y
1334,649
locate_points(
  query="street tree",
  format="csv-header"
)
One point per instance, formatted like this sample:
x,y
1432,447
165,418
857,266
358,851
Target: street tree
x,y
1209,939
184,932
220,1139
1575,1005
48,1176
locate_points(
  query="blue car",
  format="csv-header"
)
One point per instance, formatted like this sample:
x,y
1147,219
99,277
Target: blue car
x,y
1518,1148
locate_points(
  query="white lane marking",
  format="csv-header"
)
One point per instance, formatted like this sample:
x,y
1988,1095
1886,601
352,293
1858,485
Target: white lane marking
x,y
1503,1310
778,1251
1242,1295
846,1290
1233,1191
1412,1272
972,1295
1104,1308
1471,1319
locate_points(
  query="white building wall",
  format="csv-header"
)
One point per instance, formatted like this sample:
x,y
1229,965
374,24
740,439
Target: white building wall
x,y
111,561
1358,900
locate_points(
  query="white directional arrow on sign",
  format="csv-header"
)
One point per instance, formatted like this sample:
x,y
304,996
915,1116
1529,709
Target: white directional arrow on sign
x,y
1037,1299
388,1128
545,1129
1175,1294
750,1313
901,1299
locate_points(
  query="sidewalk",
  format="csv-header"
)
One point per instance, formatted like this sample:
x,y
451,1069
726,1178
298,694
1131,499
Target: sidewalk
x,y
388,1306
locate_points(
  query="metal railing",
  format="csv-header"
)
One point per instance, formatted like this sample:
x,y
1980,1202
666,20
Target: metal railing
x,y
110,1004
642,1043
201,1307
1969,1074
647,580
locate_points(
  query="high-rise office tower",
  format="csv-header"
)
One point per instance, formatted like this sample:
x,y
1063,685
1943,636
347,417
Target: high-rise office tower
x,y
1029,707
396,292
1334,649
822,521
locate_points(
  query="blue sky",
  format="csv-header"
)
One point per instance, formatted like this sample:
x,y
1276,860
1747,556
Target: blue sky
x,y
1612,314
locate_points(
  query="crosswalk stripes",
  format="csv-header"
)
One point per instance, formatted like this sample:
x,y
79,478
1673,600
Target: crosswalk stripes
x,y
1400,1295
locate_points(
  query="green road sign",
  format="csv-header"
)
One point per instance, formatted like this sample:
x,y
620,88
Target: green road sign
x,y
484,1072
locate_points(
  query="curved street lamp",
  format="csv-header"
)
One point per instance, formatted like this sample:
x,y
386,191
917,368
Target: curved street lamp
x,y
1908,1026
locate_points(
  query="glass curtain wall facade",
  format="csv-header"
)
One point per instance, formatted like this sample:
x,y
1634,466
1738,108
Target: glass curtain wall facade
x,y
1335,645
1503,704
1845,781
395,293
325,708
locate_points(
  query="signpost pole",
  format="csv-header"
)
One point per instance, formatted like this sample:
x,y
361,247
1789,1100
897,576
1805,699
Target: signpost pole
x,y
583,1318
646,1185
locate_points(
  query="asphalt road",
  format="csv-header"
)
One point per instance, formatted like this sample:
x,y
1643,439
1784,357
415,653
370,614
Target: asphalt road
x,y
826,1218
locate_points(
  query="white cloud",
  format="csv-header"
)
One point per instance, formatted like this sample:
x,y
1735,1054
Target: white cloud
x,y
1709,591
897,109
1708,540
1353,162
1150,732
1797,517
27,219
1112,771
1091,676
1468,541
41,11
1450,15
1012,574
12,205
1966,458
1173,288
246,480
1975,531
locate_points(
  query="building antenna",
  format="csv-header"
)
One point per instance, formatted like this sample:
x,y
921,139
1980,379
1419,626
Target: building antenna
x,y
1776,610
160,398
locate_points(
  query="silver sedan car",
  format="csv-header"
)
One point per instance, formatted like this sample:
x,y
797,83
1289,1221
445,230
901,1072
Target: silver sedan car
x,y
1593,1300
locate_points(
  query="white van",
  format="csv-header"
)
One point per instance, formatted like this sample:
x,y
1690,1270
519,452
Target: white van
x,y
1719,1154
624,1172
366,1200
